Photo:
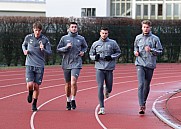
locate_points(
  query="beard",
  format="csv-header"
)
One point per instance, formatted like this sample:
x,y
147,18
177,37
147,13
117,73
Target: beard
x,y
146,33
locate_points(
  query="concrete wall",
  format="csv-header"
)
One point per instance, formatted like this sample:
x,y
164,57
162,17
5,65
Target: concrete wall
x,y
72,8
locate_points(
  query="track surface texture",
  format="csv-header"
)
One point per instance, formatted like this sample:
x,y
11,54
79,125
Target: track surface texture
x,y
163,108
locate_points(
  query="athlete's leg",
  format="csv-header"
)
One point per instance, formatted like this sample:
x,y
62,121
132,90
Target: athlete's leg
x,y
100,76
36,91
74,77
67,77
141,81
68,89
73,85
148,77
109,80
30,82
37,82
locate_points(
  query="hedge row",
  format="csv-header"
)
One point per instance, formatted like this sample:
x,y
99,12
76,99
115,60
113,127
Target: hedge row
x,y
123,30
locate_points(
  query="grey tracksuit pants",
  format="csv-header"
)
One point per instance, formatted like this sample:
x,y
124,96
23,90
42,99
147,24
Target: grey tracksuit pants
x,y
144,76
101,77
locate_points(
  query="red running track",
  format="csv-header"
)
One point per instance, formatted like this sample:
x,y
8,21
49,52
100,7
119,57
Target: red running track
x,y
121,107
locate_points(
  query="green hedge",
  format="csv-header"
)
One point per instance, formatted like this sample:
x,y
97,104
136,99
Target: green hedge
x,y
123,30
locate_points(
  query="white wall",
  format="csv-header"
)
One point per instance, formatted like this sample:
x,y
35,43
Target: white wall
x,y
72,8
22,6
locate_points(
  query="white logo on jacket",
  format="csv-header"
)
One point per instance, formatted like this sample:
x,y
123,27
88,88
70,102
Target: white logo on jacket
x,y
31,40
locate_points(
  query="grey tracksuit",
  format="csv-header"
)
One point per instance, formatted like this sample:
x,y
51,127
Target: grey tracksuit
x,y
71,58
36,56
108,47
146,63
104,69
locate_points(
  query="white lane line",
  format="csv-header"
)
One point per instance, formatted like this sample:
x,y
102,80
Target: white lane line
x,y
162,117
96,110
34,113
122,77
12,95
79,82
49,80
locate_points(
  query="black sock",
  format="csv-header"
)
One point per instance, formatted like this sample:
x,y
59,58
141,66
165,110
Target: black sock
x,y
34,101
30,92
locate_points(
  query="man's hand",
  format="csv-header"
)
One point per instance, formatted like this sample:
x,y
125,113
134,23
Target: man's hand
x,y
81,53
69,45
147,48
136,53
97,57
25,52
41,46
108,58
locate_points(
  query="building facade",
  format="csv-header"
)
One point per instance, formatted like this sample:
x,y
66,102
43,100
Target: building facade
x,y
77,8
146,9
34,8
136,9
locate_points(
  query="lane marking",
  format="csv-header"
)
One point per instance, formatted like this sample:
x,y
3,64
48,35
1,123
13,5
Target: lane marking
x,y
97,118
165,119
96,110
34,113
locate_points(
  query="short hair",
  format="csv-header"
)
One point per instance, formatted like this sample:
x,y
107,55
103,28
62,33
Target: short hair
x,y
37,25
147,22
104,28
72,23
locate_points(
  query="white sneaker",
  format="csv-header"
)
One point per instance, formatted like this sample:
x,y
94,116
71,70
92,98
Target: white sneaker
x,y
101,111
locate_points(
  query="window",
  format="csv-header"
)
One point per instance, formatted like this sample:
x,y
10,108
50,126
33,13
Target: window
x,y
168,10
145,10
152,10
128,12
122,8
138,10
160,10
112,9
117,9
88,12
176,9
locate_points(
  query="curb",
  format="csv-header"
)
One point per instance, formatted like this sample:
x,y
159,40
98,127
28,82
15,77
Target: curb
x,y
159,109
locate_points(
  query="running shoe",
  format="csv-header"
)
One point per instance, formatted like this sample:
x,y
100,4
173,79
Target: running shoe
x,y
101,111
73,104
68,106
34,107
142,110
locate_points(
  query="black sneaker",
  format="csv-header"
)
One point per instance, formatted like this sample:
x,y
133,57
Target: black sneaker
x,y
68,106
34,107
142,110
73,104
29,98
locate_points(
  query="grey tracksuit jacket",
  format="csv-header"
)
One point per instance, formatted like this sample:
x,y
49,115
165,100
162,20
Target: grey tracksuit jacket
x,y
36,56
108,47
147,59
71,58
